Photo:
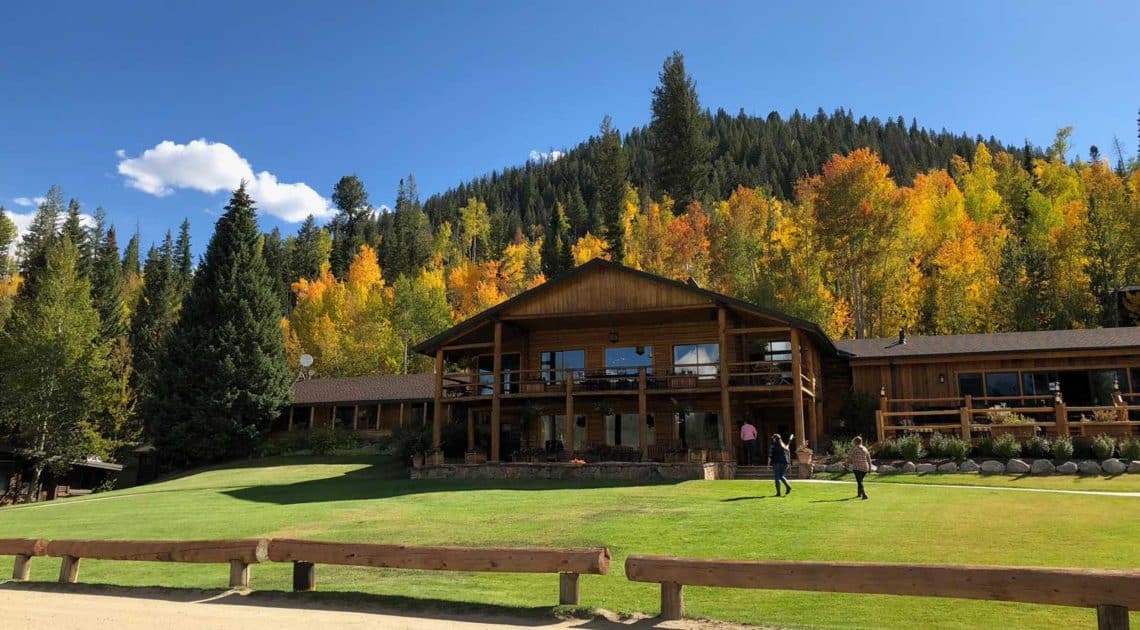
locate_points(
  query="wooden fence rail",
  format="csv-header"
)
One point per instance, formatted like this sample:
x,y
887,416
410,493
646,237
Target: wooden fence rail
x,y
1111,593
24,549
568,563
240,554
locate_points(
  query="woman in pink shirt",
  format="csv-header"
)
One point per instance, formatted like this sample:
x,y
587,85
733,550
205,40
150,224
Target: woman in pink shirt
x,y
748,437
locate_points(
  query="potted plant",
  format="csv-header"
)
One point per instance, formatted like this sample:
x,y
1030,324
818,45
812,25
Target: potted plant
x,y
804,454
1007,422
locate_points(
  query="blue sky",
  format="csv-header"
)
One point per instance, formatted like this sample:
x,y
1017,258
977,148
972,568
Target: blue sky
x,y
307,91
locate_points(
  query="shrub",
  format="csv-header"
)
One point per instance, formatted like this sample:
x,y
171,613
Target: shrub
x,y
986,447
910,448
841,449
949,447
1006,447
1063,448
411,440
1106,415
328,441
1036,446
887,449
1130,449
1103,446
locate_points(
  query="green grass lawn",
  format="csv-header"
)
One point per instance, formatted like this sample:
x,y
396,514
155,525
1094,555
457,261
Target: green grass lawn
x,y
1120,483
364,499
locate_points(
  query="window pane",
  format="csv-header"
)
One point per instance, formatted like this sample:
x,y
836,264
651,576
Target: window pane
x,y
698,358
627,360
630,436
1102,385
1037,383
970,385
1001,384
557,362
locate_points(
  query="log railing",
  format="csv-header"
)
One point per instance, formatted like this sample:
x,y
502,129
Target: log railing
x,y
1111,593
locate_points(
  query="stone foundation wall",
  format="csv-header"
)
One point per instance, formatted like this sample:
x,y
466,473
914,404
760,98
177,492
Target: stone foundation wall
x,y
619,471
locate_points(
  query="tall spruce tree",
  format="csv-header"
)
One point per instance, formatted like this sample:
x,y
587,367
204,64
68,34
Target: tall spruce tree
x,y
277,261
79,236
42,234
224,377
353,225
679,131
107,287
183,258
556,256
613,174
54,366
132,264
155,316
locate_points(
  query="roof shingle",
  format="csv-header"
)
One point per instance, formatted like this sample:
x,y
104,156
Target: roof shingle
x,y
376,388
1034,341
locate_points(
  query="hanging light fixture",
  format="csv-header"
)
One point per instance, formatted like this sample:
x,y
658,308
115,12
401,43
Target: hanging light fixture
x,y
613,336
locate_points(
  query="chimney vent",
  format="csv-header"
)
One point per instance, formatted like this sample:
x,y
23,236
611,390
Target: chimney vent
x,y
902,336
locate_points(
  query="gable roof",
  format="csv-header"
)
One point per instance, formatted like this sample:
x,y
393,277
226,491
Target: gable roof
x,y
1033,341
375,388
490,314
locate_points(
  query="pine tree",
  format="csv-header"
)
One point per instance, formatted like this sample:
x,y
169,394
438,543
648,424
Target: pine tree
x,y
353,225
308,252
155,316
224,377
41,235
183,258
681,147
96,234
556,256
54,363
107,287
613,176
74,230
131,259
277,260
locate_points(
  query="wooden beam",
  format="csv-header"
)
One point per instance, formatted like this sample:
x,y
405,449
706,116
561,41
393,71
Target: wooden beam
x,y
470,429
22,568
437,419
496,392
69,570
639,311
508,560
469,346
355,415
239,574
312,416
202,551
291,408
797,389
642,414
569,413
379,414
568,589
725,401
1084,588
758,330
672,601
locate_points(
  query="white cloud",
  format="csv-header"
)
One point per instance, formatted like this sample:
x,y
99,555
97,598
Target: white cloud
x,y
121,154
546,156
212,167
28,202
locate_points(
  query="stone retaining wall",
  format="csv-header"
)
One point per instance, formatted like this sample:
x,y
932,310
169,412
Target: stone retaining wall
x,y
619,471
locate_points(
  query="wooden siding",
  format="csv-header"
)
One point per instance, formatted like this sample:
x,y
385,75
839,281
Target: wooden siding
x,y
606,290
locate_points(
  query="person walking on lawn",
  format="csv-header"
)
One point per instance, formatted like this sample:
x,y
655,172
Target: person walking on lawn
x,y
778,459
860,463
748,437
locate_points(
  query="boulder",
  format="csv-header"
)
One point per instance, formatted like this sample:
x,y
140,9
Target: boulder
x,y
925,468
969,466
1134,467
948,467
1113,466
908,467
993,467
836,468
1042,467
1068,468
1016,467
1088,468
886,469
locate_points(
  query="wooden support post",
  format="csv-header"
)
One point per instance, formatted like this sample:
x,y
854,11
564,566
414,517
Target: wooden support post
x,y
470,429
797,388
304,576
312,416
496,388
569,445
437,419
1061,412
964,418
725,403
69,570
291,408
642,414
355,416
672,601
818,422
379,414
424,415
1111,617
880,435
568,589
22,568
239,574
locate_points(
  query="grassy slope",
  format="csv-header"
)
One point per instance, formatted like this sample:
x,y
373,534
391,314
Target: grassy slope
x,y
361,500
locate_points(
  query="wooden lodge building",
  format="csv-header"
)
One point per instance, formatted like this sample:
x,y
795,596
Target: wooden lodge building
x,y
617,364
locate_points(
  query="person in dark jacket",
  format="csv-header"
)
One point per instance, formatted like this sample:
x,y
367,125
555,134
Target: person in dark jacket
x,y
778,459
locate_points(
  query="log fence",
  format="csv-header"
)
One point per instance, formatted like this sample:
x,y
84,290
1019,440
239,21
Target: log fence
x,y
1111,593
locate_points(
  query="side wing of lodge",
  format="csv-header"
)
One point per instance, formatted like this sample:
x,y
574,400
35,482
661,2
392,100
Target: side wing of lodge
x,y
611,363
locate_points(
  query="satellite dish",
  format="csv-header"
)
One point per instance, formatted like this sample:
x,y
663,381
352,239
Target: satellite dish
x,y
306,360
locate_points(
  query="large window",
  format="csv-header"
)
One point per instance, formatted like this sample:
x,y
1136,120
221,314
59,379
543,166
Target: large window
x,y
1002,384
1102,382
1037,383
697,358
555,364
970,385
626,361
774,351
622,430
509,364
554,428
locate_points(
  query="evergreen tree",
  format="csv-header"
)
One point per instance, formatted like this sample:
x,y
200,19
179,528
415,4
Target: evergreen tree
x,y
353,225
96,234
277,261
73,229
54,363
224,377
183,258
131,262
107,287
612,173
681,147
155,316
556,257
41,235
309,251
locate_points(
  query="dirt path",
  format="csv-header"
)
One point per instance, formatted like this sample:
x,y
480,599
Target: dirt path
x,y
32,607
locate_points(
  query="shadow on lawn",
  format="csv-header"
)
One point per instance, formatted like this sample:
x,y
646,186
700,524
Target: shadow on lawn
x,y
383,481
343,601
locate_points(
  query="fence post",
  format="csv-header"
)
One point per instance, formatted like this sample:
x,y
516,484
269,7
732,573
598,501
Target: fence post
x,y
304,576
69,570
239,574
1061,417
22,568
672,601
879,425
1110,617
568,589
